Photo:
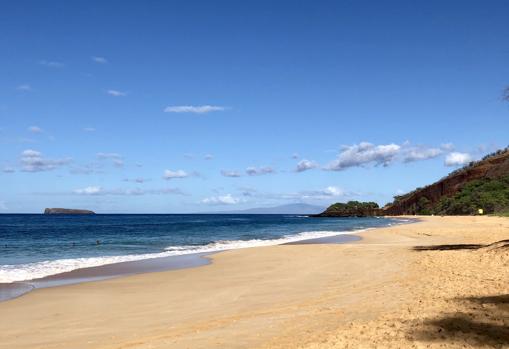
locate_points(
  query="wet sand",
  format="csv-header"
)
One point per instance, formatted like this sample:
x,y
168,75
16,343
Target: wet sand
x,y
110,271
104,272
406,286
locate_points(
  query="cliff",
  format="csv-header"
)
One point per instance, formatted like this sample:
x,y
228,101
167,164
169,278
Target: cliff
x,y
66,211
482,185
492,167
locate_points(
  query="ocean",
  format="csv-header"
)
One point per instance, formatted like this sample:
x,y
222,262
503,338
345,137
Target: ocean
x,y
37,246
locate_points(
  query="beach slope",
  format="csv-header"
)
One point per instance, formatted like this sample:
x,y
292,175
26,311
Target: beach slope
x,y
440,282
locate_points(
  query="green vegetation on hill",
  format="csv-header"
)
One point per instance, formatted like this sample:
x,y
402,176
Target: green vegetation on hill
x,y
491,195
480,185
352,209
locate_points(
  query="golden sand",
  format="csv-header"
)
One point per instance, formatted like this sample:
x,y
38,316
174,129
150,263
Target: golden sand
x,y
381,292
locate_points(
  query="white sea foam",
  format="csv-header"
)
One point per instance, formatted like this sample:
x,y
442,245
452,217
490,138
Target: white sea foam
x,y
30,271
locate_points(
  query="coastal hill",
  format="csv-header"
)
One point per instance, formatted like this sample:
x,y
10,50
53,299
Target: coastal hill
x,y
481,185
66,211
352,209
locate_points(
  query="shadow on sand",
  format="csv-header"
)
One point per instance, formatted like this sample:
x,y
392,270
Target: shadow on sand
x,y
503,244
485,323
448,247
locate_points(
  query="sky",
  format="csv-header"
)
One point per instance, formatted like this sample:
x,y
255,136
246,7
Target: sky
x,y
202,106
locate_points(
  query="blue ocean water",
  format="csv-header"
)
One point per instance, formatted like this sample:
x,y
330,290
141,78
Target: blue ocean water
x,y
34,246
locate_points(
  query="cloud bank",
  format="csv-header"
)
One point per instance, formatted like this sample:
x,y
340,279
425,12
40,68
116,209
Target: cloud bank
x,y
34,161
99,191
420,153
363,154
368,154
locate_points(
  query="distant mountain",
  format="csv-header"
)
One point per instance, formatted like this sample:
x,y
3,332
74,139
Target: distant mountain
x,y
304,209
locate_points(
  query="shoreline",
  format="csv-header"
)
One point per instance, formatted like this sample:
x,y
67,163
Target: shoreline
x,y
377,292
17,289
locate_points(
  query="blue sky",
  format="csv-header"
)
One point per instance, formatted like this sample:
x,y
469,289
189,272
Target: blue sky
x,y
195,106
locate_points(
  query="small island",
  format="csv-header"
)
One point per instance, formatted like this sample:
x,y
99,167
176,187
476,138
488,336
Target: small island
x,y
67,211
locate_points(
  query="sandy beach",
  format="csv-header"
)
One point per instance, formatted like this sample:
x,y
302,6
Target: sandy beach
x,y
436,283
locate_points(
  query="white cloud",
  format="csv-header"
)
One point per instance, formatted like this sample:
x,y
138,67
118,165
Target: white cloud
x,y
327,193
208,157
258,171
169,174
457,159
116,93
96,191
35,129
33,161
227,199
230,173
88,129
333,191
51,64
363,154
31,153
305,165
92,190
198,109
24,87
100,60
420,153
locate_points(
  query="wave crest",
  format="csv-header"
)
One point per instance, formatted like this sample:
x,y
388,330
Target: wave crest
x,y
30,271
